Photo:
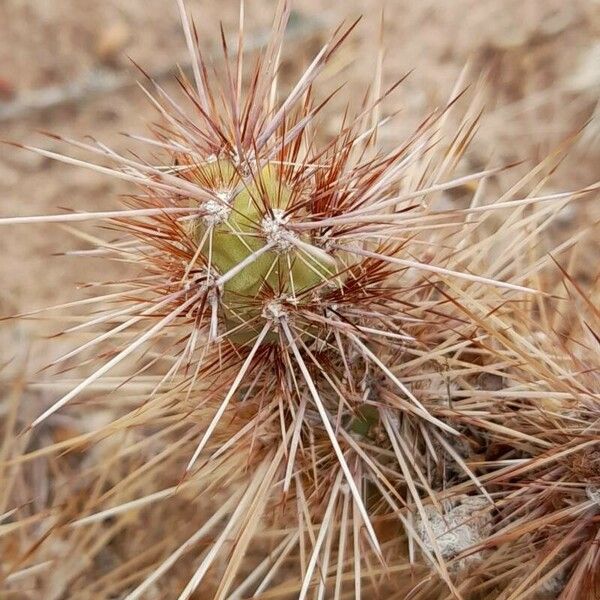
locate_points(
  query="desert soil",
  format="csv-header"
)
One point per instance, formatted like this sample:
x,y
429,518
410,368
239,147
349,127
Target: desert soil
x,y
540,59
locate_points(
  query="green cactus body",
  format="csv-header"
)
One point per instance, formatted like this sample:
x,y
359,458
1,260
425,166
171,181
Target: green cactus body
x,y
244,229
366,419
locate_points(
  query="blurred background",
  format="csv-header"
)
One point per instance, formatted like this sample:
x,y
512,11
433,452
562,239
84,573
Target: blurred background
x,y
65,68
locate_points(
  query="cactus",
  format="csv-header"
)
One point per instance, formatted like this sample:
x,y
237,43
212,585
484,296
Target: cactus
x,y
311,339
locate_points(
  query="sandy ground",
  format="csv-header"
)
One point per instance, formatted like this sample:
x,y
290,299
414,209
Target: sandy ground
x,y
539,59
538,55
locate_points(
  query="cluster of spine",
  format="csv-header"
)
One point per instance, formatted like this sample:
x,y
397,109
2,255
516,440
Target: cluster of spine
x,y
332,390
